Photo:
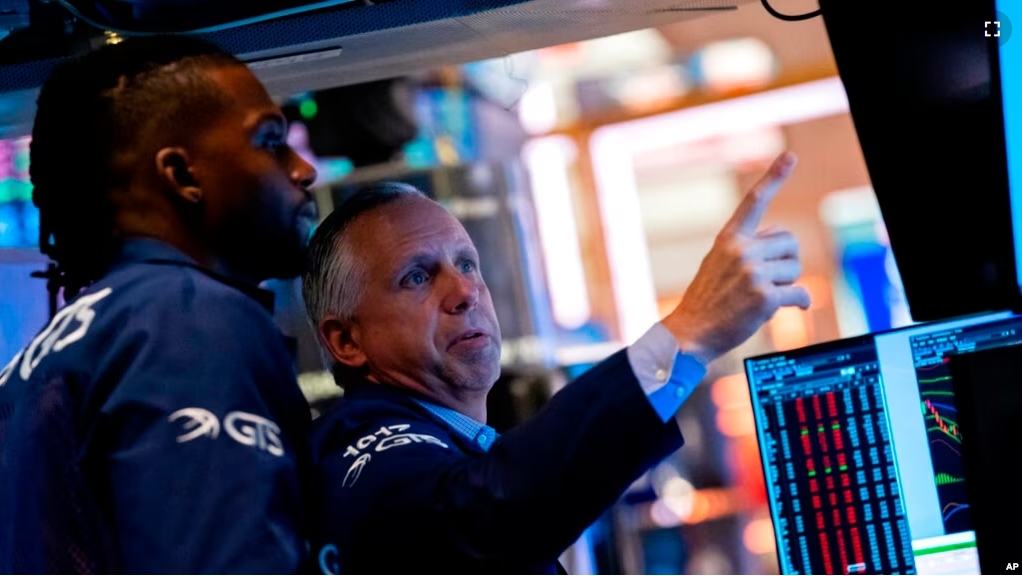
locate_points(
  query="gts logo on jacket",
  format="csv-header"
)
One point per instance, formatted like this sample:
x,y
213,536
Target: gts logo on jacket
x,y
242,427
57,335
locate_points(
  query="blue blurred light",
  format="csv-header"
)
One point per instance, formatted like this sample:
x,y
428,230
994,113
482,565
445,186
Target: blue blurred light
x,y
29,224
10,226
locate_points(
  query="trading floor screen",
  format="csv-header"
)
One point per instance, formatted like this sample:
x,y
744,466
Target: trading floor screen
x,y
861,450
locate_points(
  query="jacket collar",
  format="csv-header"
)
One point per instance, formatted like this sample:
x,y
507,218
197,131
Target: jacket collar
x,y
365,390
152,251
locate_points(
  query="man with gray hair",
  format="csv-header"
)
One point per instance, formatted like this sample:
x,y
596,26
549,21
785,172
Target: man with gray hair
x,y
409,477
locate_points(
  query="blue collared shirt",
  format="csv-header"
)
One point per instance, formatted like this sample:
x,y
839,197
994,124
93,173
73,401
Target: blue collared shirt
x,y
667,376
467,427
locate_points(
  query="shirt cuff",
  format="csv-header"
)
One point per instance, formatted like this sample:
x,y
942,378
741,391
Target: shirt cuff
x,y
667,375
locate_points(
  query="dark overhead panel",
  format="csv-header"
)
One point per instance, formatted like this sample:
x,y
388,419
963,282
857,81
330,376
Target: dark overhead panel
x,y
351,42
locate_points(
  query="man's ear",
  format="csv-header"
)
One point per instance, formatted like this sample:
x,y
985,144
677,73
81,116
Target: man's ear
x,y
175,168
341,340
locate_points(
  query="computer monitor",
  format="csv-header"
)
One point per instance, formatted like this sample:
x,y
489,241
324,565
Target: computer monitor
x,y
989,403
1010,56
862,451
923,87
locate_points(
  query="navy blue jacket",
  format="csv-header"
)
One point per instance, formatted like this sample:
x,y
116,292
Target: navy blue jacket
x,y
398,491
155,426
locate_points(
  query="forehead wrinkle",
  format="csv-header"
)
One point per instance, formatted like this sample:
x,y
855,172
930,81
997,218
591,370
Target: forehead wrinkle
x,y
408,234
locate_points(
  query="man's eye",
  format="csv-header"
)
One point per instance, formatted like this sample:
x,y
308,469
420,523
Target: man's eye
x,y
416,279
468,266
274,143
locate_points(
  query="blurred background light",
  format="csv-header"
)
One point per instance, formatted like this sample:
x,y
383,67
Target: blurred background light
x,y
734,407
679,496
308,108
548,160
608,56
646,90
662,516
758,536
735,64
789,329
537,110
625,238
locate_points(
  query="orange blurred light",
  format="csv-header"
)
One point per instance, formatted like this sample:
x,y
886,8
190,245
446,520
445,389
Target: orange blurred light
x,y
759,536
706,504
819,290
720,502
700,508
562,55
744,459
736,422
789,329
730,391
711,503
731,396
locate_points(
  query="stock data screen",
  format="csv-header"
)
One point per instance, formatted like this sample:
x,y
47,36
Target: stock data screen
x,y
862,450
930,355
823,431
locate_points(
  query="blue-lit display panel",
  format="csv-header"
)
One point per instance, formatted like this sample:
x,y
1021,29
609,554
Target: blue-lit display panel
x,y
931,353
19,219
1011,88
861,449
830,464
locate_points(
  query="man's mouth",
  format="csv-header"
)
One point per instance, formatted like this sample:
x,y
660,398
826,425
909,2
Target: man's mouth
x,y
468,335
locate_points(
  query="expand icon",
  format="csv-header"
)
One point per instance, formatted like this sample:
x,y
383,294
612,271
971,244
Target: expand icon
x,y
1000,28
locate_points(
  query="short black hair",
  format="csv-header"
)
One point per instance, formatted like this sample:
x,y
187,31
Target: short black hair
x,y
94,115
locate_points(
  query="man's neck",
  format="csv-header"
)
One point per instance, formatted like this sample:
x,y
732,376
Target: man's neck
x,y
475,410
472,406
158,225
471,403
197,252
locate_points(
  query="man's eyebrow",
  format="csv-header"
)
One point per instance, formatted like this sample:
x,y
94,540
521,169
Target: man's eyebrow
x,y
425,258
416,259
468,251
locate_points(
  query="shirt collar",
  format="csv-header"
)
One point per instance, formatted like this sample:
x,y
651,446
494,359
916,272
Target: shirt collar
x,y
469,428
150,250
464,426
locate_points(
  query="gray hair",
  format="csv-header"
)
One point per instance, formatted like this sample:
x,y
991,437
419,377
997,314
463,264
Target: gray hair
x,y
334,273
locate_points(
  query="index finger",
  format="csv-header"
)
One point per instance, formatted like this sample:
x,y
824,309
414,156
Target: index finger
x,y
750,211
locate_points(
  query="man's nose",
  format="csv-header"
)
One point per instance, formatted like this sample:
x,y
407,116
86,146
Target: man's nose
x,y
303,174
462,291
